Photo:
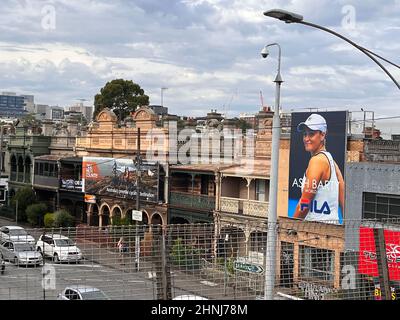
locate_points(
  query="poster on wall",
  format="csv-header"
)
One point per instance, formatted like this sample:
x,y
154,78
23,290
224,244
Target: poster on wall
x,y
316,166
367,261
117,178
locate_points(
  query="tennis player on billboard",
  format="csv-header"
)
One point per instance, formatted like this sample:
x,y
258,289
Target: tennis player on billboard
x,y
322,185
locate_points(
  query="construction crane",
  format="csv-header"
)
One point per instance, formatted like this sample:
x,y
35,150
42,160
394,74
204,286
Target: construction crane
x,y
262,102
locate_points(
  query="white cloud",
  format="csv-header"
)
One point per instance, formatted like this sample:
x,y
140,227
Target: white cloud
x,y
205,51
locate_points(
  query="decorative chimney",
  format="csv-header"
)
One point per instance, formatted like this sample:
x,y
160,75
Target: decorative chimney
x,y
72,127
47,127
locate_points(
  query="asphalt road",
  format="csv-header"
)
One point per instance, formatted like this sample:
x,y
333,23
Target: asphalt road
x,y
26,283
116,280
103,269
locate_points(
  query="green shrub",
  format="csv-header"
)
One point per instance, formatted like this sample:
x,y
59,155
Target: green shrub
x,y
62,218
35,213
185,256
118,221
49,220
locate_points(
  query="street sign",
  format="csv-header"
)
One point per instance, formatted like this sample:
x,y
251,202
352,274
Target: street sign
x,y
248,267
137,215
90,198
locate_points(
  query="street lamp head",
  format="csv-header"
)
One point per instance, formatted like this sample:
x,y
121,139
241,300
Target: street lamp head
x,y
264,52
288,17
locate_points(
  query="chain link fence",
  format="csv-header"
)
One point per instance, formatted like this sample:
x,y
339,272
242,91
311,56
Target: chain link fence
x,y
314,261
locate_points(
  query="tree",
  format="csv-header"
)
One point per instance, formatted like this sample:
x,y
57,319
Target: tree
x,y
121,96
25,197
243,124
29,119
35,213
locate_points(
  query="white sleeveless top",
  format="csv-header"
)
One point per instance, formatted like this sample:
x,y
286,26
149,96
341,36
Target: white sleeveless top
x,y
325,205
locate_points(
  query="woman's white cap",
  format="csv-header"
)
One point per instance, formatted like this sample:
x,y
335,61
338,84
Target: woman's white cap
x,y
313,122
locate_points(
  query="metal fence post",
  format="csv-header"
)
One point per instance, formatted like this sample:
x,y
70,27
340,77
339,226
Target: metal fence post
x,y
383,270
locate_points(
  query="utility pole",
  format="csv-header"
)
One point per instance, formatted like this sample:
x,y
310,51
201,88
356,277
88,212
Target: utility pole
x,y
138,174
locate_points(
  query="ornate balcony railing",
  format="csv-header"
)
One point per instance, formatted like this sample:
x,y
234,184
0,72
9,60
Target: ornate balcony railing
x,y
194,201
246,207
256,208
230,205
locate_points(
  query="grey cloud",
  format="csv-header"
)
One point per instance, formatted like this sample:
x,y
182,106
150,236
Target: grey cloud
x,y
198,38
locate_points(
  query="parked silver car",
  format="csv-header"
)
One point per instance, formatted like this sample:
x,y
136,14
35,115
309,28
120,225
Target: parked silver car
x,y
20,253
15,233
82,293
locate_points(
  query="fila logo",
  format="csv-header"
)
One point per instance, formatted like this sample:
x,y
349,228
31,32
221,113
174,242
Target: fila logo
x,y
305,203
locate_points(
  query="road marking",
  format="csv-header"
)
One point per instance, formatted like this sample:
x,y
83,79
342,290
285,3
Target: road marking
x,y
208,283
115,280
75,265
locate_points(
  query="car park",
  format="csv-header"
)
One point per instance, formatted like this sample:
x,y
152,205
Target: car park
x,y
82,293
15,233
20,253
58,247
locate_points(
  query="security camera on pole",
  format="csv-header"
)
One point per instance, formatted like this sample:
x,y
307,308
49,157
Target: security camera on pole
x,y
273,191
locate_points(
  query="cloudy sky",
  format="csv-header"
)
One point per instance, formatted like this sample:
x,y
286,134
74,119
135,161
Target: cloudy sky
x,y
206,52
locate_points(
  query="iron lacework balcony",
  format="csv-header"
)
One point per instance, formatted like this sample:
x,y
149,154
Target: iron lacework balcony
x,y
245,206
194,201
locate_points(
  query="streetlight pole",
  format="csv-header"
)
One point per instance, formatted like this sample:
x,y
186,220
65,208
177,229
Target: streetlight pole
x,y
273,190
290,17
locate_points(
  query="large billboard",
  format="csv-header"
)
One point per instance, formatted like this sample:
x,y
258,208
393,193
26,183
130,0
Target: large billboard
x,y
316,166
367,260
117,178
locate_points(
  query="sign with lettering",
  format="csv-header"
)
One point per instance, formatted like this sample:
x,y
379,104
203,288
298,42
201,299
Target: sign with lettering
x,y
71,184
137,215
90,198
313,291
378,293
367,260
248,267
316,166
118,178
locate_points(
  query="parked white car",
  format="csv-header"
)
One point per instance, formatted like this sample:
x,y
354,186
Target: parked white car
x,y
15,233
20,253
58,247
82,293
